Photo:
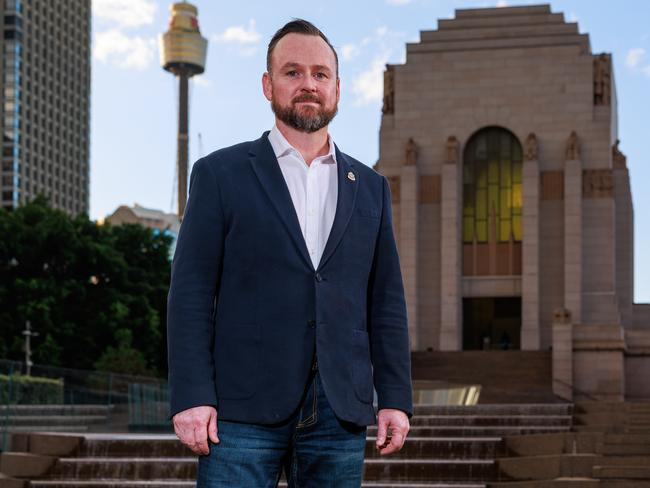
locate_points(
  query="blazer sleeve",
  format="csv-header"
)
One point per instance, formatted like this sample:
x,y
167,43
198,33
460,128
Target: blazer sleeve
x,y
387,321
195,275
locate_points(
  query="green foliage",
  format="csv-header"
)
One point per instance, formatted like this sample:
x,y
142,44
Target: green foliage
x,y
19,389
79,283
123,358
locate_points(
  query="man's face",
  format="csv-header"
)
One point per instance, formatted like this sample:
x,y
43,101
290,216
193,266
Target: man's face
x,y
303,86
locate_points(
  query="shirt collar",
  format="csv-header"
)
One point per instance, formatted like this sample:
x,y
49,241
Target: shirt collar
x,y
282,147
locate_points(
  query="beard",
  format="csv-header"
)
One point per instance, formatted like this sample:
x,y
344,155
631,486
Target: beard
x,y
308,119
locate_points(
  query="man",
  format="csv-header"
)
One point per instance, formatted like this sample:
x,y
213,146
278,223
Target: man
x,y
286,299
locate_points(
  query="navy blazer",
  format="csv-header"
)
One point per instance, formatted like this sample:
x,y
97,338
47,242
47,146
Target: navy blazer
x,y
247,310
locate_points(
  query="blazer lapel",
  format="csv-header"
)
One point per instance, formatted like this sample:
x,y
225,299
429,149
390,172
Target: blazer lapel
x,y
266,167
348,182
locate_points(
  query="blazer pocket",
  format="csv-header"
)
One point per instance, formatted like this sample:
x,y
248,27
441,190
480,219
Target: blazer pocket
x,y
361,366
236,359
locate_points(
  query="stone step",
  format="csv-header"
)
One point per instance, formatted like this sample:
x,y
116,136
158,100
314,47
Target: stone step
x,y
403,470
478,431
613,429
54,420
596,407
492,420
170,446
626,461
43,428
622,472
497,32
581,40
501,20
549,466
185,468
495,409
481,13
607,483
56,409
162,483
564,482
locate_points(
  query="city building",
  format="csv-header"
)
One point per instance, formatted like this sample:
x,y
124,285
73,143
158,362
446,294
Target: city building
x,y
44,102
167,223
511,198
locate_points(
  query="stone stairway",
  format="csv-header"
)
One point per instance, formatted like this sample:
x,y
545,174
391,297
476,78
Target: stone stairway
x,y
608,448
53,418
450,447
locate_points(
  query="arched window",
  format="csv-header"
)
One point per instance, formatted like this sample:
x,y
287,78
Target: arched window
x,y
492,202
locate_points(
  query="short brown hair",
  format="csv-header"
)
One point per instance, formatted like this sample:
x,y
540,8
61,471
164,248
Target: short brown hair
x,y
298,26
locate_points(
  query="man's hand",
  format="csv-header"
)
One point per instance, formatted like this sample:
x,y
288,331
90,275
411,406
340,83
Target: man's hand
x,y
398,422
192,426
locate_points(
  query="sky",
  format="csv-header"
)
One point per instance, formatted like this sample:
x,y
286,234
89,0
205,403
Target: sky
x,y
134,101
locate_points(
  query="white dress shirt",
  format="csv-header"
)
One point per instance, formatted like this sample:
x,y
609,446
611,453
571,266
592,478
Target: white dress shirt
x,y
313,190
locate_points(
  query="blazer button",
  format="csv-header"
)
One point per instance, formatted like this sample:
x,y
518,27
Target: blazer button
x,y
319,278
311,323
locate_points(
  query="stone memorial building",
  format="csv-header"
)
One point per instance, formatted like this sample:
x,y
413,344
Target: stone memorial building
x,y
511,198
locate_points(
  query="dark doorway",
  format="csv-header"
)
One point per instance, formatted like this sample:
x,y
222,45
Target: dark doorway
x,y
492,323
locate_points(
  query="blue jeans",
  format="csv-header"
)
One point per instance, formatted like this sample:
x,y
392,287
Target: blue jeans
x,y
314,447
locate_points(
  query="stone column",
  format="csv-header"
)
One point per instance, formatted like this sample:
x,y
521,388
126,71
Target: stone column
x,y
573,230
451,320
563,354
530,300
409,191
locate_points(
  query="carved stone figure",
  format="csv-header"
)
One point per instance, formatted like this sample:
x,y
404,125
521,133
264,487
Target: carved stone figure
x,y
389,90
602,79
573,147
530,150
561,316
597,183
452,147
618,158
411,150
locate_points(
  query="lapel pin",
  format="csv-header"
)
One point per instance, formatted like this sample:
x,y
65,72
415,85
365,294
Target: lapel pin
x,y
351,176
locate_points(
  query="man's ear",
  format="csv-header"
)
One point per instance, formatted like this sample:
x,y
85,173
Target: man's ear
x,y
267,87
338,89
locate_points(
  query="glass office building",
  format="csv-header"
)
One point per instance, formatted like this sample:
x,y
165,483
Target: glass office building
x,y
45,75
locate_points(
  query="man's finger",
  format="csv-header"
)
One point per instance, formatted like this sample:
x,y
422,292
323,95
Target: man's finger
x,y
382,427
201,439
212,428
396,443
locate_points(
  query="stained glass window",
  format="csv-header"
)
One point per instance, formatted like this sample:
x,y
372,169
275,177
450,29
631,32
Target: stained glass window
x,y
492,170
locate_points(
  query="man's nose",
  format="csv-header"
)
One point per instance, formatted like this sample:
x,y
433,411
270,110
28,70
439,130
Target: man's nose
x,y
308,83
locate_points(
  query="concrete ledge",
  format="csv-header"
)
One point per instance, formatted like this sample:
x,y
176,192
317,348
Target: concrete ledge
x,y
548,467
555,443
25,465
54,444
9,482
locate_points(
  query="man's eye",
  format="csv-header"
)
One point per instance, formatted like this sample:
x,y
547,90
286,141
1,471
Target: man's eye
x,y
292,73
321,76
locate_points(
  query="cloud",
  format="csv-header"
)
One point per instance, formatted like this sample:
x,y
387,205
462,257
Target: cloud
x,y
239,34
349,51
369,84
633,56
202,81
126,52
125,13
646,70
502,3
398,3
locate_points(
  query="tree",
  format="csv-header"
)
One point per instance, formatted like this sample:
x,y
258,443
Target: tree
x,y
79,283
